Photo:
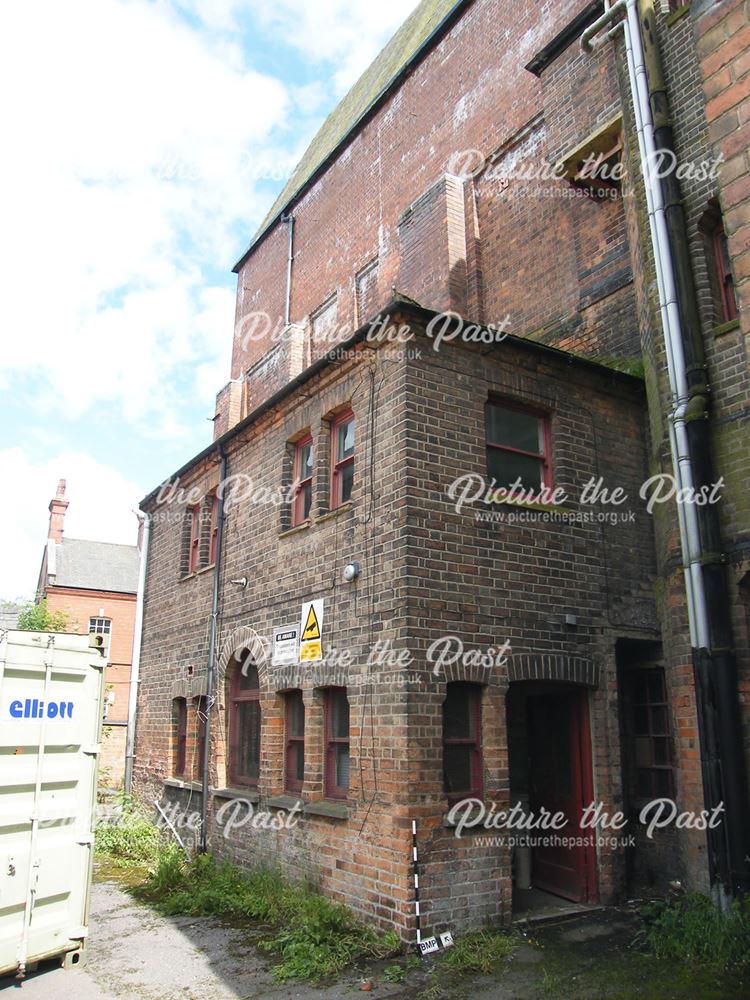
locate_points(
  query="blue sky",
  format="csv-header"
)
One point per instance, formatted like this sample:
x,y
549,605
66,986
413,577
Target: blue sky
x,y
148,141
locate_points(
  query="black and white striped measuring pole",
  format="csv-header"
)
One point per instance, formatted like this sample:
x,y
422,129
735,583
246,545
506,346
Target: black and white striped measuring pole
x,y
415,861
425,946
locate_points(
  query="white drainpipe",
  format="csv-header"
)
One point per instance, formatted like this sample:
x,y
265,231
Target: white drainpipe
x,y
670,315
136,665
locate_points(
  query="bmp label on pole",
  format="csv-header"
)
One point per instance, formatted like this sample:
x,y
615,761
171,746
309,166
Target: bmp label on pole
x,y
311,632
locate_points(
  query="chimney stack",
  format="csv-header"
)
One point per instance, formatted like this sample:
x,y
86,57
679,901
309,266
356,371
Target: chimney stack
x,y
57,508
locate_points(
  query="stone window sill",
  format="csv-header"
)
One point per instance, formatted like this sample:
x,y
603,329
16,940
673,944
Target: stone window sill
x,y
193,786
295,530
733,324
678,14
343,509
249,794
197,572
332,810
285,802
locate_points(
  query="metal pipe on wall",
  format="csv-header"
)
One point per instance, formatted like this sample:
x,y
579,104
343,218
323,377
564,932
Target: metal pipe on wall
x,y
210,671
135,669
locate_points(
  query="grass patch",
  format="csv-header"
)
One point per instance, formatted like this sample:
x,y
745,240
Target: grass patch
x,y
311,936
127,838
695,932
478,954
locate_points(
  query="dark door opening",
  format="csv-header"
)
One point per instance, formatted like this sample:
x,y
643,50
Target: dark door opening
x,y
550,769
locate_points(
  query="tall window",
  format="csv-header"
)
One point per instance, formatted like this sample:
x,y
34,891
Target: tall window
x,y
517,447
303,477
295,741
103,627
650,746
337,743
244,723
462,740
728,299
200,735
194,513
342,458
214,529
179,722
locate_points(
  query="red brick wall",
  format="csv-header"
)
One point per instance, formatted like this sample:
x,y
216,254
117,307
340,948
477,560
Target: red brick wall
x,y
81,605
426,571
385,198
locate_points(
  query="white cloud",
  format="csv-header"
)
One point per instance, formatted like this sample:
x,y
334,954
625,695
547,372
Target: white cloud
x,y
347,34
131,162
101,508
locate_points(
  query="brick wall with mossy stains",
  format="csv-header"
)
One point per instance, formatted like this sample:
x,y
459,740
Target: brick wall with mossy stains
x,y
427,571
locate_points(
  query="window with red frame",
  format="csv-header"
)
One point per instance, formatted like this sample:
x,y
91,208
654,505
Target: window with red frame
x,y
517,447
337,743
342,458
724,274
462,740
214,537
295,741
303,478
200,730
179,717
194,558
244,722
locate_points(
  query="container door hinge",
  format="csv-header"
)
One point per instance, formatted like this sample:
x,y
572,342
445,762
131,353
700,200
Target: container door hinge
x,y
93,749
85,838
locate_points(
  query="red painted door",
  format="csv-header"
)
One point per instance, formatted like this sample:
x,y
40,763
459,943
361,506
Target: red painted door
x,y
561,782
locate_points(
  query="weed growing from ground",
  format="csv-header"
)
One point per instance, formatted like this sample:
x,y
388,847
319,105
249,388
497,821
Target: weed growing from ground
x,y
693,930
311,935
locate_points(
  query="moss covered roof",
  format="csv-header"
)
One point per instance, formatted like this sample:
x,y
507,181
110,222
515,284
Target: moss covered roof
x,y
413,34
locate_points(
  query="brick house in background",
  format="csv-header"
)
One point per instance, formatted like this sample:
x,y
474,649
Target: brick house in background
x,y
415,200
95,584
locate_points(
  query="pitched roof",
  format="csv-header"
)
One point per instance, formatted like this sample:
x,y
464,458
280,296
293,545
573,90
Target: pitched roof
x,y
96,566
414,35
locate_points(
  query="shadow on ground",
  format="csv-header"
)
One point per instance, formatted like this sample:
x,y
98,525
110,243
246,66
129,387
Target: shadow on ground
x,y
137,953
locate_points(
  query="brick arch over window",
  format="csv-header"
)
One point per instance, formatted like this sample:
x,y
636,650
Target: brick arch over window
x,y
237,640
553,667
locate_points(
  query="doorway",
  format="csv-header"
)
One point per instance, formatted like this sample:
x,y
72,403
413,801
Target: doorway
x,y
549,749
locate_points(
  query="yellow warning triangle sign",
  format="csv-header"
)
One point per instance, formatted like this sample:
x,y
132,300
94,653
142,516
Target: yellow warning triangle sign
x,y
312,628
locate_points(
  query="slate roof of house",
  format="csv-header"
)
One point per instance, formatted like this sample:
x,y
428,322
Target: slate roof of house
x,y
414,34
97,565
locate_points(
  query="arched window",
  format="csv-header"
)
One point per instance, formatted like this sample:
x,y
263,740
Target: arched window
x,y
244,721
719,262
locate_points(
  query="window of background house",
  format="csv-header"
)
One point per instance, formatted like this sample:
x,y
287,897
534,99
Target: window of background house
x,y
244,723
303,477
724,279
462,740
337,743
295,741
214,529
342,458
200,735
649,739
194,514
179,721
517,446
103,627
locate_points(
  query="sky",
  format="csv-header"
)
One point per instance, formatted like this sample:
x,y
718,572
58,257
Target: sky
x,y
144,142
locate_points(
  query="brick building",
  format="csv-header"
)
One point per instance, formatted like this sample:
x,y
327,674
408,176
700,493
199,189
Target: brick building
x,y
374,394
95,584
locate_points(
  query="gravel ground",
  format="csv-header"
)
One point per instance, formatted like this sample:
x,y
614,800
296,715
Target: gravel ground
x,y
136,954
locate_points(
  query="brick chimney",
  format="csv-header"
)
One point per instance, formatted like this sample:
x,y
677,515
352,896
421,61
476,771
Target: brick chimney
x,y
57,507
